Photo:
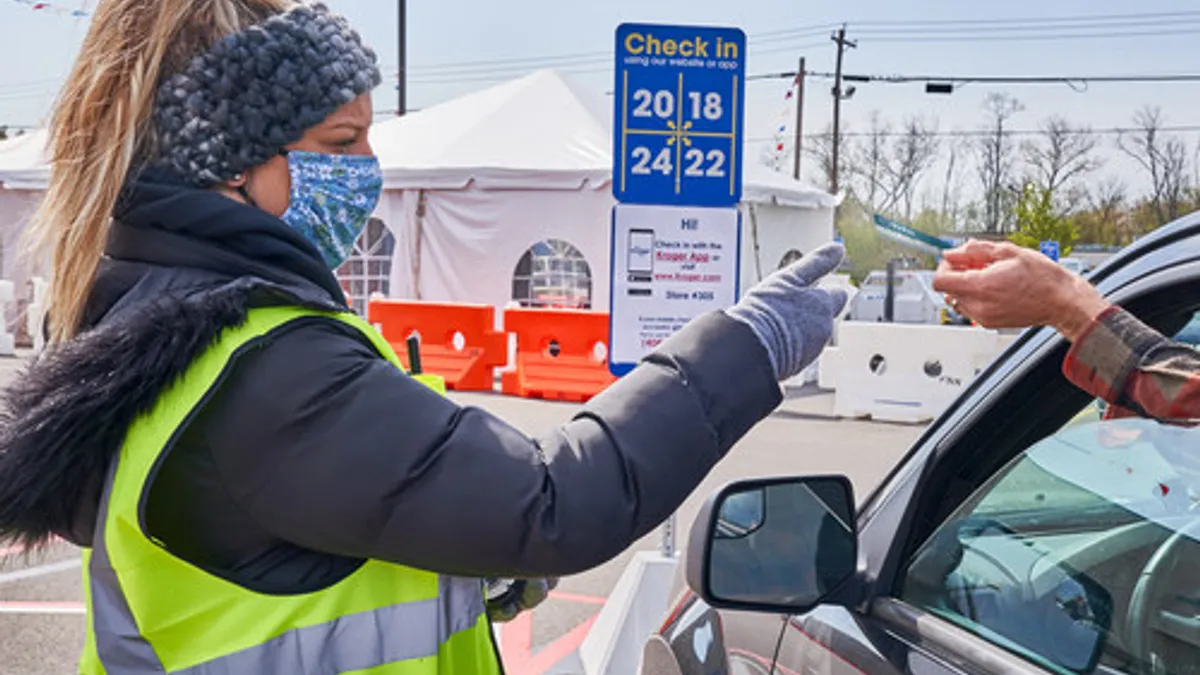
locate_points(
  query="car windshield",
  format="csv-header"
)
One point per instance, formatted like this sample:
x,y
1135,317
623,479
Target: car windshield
x,y
1133,468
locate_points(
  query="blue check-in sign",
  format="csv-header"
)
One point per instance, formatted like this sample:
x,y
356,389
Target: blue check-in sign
x,y
679,115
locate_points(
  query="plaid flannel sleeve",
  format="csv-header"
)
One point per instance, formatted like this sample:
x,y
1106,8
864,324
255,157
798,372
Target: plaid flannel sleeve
x,y
1133,367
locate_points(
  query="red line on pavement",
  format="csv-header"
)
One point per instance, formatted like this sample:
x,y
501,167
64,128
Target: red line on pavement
x,y
516,644
575,597
562,647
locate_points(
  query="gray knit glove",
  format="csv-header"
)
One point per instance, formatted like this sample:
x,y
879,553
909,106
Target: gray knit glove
x,y
791,317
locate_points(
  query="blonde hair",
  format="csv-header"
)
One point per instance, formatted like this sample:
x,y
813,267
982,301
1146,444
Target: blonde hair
x,y
103,126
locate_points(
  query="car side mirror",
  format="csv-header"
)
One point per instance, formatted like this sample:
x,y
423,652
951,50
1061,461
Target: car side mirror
x,y
781,545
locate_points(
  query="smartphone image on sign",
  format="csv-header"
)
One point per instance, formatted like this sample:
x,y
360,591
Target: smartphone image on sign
x,y
640,255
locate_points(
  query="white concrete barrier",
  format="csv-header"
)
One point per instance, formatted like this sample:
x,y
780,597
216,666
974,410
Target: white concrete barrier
x,y
904,372
637,606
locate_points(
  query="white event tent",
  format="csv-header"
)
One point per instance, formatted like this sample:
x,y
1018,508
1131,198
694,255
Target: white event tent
x,y
23,178
485,184
472,184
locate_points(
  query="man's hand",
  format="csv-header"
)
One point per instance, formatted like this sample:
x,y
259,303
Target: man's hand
x,y
1001,285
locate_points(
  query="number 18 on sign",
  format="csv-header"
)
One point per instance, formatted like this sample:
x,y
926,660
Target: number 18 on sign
x,y
679,102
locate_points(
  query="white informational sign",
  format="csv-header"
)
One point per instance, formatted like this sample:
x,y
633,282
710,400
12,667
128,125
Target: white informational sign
x,y
670,264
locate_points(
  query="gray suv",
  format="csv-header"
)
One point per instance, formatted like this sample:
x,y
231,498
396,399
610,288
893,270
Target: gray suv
x,y
1019,535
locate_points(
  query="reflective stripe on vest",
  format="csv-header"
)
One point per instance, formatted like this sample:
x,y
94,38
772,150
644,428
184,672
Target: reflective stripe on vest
x,y
153,613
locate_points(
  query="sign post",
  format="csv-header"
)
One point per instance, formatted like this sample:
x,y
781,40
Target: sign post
x,y
679,115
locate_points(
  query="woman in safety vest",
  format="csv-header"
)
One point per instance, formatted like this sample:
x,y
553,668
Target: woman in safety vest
x,y
257,486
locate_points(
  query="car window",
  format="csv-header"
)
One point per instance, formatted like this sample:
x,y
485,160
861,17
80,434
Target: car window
x,y
1081,551
1190,334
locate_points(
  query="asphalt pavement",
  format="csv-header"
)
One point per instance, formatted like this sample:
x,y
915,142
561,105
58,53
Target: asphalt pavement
x,y
41,617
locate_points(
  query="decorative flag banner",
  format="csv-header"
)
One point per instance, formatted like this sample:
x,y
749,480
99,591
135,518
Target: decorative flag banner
x,y
53,8
786,113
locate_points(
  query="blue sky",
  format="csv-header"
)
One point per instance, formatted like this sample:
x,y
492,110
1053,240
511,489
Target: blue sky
x,y
36,49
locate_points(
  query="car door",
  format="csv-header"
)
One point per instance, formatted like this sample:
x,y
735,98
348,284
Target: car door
x,y
974,617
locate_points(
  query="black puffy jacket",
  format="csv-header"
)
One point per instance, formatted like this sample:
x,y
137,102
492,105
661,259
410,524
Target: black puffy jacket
x,y
315,453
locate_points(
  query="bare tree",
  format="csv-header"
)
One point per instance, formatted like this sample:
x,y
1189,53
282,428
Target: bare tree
x,y
1163,157
819,148
950,188
1059,156
913,153
996,161
888,164
1107,212
1175,177
869,162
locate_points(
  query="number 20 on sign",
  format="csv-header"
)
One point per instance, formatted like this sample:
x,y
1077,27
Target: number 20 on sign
x,y
679,102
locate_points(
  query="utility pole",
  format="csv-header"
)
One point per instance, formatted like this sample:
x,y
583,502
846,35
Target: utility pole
x,y
840,38
800,76
402,84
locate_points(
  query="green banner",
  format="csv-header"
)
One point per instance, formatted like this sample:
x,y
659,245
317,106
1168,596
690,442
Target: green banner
x,y
910,237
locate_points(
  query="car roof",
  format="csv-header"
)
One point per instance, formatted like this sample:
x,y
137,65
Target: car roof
x,y
1178,239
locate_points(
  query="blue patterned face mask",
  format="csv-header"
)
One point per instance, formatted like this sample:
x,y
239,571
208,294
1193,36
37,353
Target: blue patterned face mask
x,y
332,197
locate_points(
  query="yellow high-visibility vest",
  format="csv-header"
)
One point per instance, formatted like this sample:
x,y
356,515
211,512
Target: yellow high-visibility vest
x,y
151,612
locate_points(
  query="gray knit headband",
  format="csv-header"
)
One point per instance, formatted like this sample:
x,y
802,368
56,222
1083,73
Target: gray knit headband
x,y
254,92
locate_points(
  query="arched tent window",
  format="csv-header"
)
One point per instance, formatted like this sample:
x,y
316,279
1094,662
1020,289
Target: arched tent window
x,y
553,273
369,268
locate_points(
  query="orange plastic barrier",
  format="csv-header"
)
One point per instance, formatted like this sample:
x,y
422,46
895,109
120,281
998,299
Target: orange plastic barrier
x,y
468,365
562,355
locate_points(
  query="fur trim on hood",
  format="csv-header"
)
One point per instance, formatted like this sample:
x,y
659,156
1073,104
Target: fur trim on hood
x,y
64,417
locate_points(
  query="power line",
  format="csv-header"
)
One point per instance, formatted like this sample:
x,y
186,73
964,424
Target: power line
x,y
597,65
1032,19
867,27
587,63
1176,23
1071,81
592,58
1030,28
593,64
1034,79
1028,38
576,59
971,133
418,75
813,29
608,68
